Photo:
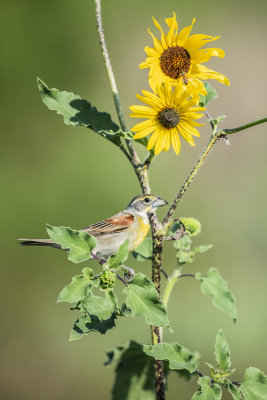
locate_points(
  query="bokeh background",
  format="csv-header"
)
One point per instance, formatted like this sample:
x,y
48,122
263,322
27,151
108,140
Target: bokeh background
x,y
52,173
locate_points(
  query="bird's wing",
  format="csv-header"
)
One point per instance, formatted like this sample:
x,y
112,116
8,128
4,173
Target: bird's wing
x,y
118,223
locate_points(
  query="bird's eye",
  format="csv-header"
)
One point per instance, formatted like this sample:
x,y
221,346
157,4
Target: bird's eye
x,y
147,200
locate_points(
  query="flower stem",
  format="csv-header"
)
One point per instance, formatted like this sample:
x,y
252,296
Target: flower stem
x,y
225,132
212,140
170,285
112,81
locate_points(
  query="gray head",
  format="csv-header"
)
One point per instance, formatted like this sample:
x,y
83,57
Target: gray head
x,y
146,203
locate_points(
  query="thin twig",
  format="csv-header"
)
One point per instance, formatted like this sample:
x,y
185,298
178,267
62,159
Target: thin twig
x,y
122,280
112,81
210,120
184,275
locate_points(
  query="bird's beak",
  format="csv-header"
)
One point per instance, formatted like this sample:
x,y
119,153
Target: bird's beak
x,y
159,202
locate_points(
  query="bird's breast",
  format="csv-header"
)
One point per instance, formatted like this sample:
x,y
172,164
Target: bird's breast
x,y
138,231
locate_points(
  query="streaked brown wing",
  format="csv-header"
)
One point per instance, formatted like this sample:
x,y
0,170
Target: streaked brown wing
x,y
115,224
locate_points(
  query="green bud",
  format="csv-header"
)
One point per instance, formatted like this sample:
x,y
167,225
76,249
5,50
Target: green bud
x,y
192,226
107,279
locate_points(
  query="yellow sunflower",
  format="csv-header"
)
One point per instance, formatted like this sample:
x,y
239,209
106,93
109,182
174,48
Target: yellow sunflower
x,y
178,57
171,114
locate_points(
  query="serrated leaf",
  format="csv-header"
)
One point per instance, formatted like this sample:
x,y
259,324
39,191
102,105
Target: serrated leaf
x,y
207,390
79,287
142,298
232,389
222,352
254,386
176,355
144,251
134,373
78,243
75,110
211,94
86,324
216,286
120,257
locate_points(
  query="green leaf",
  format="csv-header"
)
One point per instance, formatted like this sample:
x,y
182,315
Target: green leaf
x,y
207,390
75,110
86,324
184,373
78,243
134,373
120,257
222,352
232,389
183,244
254,386
176,355
214,284
144,251
184,254
100,306
79,287
211,94
192,226
142,299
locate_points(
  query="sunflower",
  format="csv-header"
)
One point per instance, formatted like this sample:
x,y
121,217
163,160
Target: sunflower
x,y
171,114
178,57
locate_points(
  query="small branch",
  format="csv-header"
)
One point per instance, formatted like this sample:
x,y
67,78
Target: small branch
x,y
212,140
112,81
185,275
213,380
122,280
209,118
225,132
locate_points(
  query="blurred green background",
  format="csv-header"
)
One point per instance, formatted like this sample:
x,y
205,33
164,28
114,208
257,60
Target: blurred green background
x,y
52,173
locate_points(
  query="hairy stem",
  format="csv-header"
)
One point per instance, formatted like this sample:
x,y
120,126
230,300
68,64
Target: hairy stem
x,y
212,140
156,331
113,85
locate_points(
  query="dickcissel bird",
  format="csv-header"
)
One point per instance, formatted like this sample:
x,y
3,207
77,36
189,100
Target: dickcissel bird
x,y
131,223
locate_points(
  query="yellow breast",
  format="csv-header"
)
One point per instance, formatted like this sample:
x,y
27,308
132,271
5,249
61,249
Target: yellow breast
x,y
139,230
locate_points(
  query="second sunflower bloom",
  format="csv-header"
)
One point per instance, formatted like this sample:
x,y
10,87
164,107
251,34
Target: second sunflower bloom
x,y
171,114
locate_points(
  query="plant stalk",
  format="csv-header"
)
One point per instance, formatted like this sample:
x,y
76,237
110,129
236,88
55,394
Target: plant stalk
x,y
156,331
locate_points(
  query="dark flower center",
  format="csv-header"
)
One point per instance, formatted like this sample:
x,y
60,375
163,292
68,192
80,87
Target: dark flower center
x,y
169,117
175,62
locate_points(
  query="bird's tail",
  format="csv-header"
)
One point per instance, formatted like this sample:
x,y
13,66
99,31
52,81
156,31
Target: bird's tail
x,y
39,242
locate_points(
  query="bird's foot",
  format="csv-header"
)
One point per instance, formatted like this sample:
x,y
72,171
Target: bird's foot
x,y
128,273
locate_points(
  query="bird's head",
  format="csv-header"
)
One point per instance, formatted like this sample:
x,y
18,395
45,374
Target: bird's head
x,y
146,203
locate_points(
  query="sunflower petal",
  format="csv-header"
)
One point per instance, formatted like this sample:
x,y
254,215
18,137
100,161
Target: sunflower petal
x,y
157,43
163,36
198,40
143,125
185,32
176,144
202,72
153,139
144,132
